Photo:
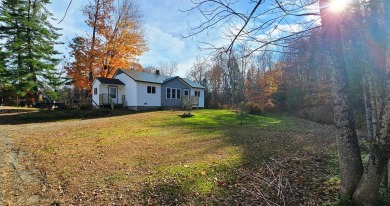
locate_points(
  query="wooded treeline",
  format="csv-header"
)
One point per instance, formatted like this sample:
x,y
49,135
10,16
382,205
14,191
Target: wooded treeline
x,y
293,80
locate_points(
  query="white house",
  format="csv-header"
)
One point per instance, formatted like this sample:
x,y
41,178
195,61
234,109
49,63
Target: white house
x,y
143,91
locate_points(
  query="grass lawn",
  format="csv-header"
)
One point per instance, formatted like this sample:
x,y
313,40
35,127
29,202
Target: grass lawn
x,y
160,158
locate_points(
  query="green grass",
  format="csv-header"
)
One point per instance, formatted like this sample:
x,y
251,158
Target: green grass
x,y
178,158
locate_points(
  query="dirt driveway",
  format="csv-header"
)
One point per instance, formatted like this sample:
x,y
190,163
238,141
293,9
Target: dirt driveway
x,y
15,178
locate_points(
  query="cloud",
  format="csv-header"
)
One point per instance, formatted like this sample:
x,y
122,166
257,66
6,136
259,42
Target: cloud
x,y
163,46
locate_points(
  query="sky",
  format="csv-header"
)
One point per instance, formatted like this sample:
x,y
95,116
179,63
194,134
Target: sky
x,y
164,24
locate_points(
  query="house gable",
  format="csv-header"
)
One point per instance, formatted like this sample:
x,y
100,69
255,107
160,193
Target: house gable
x,y
174,87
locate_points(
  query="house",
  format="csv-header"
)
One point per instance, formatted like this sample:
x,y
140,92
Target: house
x,y
144,91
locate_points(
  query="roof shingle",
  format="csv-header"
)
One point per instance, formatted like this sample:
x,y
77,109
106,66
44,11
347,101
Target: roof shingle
x,y
110,81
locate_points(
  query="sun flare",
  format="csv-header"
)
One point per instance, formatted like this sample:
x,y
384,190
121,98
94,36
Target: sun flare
x,y
338,5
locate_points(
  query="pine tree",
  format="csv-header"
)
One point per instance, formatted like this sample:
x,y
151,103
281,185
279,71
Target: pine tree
x,y
29,44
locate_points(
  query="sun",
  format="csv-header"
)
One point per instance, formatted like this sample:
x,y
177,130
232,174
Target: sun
x,y
338,5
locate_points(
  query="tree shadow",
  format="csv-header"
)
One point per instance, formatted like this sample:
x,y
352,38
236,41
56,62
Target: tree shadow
x,y
15,116
259,139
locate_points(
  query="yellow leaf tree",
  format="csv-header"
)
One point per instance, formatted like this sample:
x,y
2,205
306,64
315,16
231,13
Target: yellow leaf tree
x,y
116,41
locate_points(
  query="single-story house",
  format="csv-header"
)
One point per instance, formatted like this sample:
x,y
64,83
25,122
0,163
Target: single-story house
x,y
143,91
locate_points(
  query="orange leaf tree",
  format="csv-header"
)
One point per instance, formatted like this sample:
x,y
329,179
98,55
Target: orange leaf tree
x,y
117,39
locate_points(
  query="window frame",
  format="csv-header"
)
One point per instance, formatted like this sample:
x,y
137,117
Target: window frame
x,y
150,89
168,93
188,92
95,90
174,93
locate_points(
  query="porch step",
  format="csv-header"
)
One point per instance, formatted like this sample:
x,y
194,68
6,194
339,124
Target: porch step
x,y
118,106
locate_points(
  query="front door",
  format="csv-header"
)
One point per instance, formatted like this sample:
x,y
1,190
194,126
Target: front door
x,y
113,93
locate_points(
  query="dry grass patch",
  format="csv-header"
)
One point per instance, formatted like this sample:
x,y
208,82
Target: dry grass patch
x,y
157,157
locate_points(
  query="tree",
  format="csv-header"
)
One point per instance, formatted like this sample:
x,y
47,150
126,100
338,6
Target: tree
x,y
236,82
198,70
29,44
78,69
167,68
115,42
351,166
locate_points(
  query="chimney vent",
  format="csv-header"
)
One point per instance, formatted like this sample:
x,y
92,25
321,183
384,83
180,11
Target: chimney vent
x,y
157,72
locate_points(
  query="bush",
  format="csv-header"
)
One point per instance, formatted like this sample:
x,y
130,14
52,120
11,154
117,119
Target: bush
x,y
319,114
85,106
22,104
253,108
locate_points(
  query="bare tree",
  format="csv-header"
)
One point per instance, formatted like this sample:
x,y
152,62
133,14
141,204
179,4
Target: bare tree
x,y
199,70
167,68
242,25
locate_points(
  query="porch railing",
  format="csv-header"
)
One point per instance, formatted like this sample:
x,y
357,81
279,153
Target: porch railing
x,y
124,102
106,99
188,102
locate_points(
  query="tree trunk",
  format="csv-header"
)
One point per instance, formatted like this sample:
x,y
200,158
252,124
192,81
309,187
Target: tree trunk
x,y
351,166
385,177
374,105
367,106
367,191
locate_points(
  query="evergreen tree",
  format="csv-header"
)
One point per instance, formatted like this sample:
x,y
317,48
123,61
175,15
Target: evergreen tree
x,y
29,45
236,82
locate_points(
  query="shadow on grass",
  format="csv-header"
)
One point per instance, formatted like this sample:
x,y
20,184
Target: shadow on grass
x,y
14,115
257,140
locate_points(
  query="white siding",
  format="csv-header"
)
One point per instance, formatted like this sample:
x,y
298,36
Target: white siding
x,y
148,100
95,97
201,98
129,90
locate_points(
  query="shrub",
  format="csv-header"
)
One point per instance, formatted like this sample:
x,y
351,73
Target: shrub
x,y
22,104
253,108
320,114
85,106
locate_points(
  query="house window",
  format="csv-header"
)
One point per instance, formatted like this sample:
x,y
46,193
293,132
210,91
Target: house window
x,y
94,90
197,93
151,90
168,93
186,92
173,93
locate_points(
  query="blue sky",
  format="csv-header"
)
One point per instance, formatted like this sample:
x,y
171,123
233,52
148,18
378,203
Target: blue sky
x,y
163,24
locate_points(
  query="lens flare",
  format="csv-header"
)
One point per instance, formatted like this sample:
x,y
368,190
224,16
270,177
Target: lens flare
x,y
338,5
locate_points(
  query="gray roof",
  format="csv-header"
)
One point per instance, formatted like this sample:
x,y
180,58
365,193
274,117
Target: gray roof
x,y
110,81
155,78
192,84
143,76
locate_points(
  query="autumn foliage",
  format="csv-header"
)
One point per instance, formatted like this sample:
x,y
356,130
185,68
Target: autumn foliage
x,y
259,88
115,42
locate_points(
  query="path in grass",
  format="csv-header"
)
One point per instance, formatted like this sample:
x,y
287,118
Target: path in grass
x,y
141,158
16,180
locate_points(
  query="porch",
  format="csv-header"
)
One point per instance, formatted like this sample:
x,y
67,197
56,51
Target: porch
x,y
112,101
189,102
